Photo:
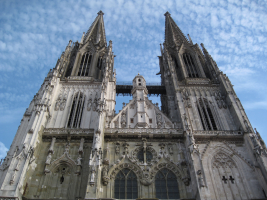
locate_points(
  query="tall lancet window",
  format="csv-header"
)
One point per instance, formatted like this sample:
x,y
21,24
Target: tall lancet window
x,y
99,63
190,66
85,64
76,111
126,185
206,116
166,185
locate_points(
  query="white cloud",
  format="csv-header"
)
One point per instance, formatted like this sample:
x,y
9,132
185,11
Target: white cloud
x,y
3,150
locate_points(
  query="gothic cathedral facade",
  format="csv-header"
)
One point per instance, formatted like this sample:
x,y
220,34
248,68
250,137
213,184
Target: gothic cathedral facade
x,y
71,144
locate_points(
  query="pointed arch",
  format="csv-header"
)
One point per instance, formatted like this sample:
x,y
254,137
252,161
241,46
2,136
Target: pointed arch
x,y
85,64
125,186
166,185
206,115
64,160
76,111
226,169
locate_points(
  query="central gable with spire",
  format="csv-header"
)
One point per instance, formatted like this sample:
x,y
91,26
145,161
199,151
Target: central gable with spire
x,y
140,112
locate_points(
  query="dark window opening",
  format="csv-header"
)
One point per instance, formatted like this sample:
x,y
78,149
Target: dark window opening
x,y
76,111
141,157
85,65
126,185
206,116
62,179
166,185
190,66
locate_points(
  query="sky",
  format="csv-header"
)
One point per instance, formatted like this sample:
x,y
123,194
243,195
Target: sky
x,y
33,34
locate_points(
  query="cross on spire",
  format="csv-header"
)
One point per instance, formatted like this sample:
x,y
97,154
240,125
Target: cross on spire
x,y
231,179
224,179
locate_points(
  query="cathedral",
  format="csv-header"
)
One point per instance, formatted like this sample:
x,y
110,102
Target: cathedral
x,y
72,145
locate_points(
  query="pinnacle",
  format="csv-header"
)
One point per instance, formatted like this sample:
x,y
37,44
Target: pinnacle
x,y
100,13
167,14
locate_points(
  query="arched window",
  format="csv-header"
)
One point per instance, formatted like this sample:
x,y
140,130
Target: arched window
x,y
85,64
99,63
166,185
190,66
76,111
141,156
206,116
126,185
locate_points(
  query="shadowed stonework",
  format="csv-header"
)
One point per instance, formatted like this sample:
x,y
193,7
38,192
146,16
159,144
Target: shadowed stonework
x,y
72,145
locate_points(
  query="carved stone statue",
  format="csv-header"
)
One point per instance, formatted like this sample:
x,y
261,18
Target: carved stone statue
x,y
95,104
89,104
63,104
79,160
57,105
117,148
48,159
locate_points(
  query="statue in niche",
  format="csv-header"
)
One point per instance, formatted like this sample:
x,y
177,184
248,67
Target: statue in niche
x,y
92,177
57,104
67,148
89,104
63,104
191,139
48,159
170,149
79,160
123,119
200,179
95,104
117,148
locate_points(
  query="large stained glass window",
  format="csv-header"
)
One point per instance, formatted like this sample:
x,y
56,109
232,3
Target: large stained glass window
x,y
166,185
126,185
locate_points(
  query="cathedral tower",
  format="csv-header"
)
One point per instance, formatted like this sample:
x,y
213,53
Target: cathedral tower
x,y
72,145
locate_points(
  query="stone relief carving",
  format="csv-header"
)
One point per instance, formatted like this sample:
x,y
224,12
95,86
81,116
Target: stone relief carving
x,y
222,160
220,100
89,104
117,148
123,119
159,120
186,98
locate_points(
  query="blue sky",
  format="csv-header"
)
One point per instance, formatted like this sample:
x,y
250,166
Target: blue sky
x,y
33,35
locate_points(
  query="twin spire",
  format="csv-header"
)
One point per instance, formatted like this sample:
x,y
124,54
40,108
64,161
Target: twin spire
x,y
96,32
173,34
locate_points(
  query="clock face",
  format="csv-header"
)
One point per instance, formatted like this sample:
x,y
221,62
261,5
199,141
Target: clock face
x,y
141,157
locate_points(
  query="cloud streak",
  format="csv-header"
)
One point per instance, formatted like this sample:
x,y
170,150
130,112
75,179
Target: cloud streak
x,y
33,35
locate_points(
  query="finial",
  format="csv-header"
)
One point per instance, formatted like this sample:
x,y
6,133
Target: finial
x,y
202,45
190,40
100,13
70,43
167,14
82,37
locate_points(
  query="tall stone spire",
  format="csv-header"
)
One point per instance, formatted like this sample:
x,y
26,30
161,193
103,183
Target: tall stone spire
x,y
173,34
96,32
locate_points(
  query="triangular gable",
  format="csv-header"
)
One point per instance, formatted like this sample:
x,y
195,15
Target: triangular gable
x,y
151,118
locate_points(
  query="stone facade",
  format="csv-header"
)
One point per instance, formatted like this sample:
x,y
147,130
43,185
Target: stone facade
x,y
72,145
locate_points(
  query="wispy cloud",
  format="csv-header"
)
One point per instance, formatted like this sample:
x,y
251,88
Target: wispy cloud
x,y
33,34
3,150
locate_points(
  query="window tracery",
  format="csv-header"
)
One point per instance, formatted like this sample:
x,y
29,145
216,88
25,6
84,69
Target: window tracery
x,y
166,185
85,64
126,185
206,116
76,111
222,160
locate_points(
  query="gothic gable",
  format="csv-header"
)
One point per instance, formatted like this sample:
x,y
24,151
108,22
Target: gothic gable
x,y
132,116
